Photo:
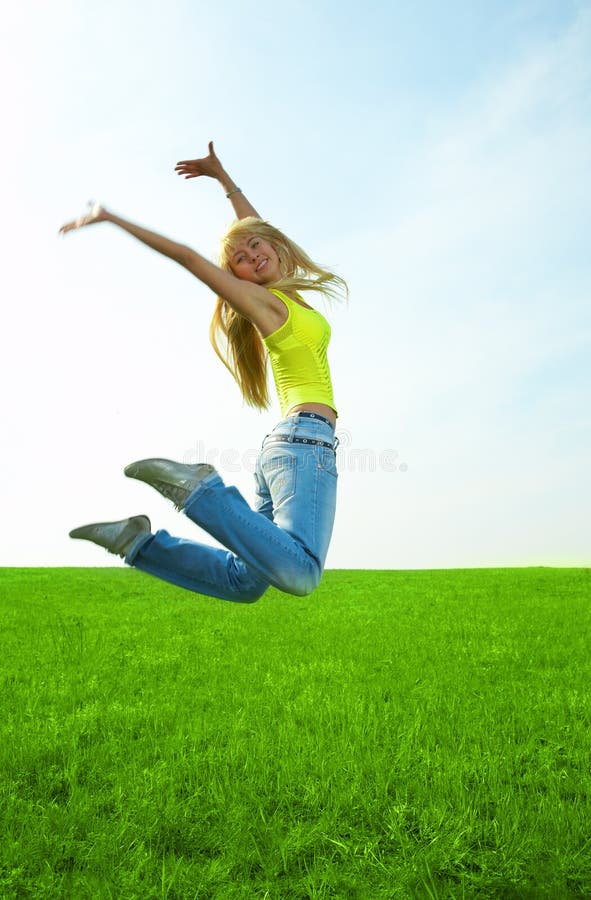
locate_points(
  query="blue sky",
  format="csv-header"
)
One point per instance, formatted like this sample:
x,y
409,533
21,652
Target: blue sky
x,y
436,155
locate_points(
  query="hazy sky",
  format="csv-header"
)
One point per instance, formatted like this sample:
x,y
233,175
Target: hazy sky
x,y
436,155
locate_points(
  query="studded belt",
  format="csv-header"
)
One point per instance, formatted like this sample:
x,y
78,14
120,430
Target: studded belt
x,y
285,437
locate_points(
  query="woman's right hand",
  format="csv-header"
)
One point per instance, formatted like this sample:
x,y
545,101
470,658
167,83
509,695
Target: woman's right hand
x,y
209,165
96,213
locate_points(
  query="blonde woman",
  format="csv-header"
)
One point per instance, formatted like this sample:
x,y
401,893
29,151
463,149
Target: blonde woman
x,y
259,316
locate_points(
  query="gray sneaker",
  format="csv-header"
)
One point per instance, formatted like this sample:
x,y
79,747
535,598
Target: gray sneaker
x,y
175,481
116,537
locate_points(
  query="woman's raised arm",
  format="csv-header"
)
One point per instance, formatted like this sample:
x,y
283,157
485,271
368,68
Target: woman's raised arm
x,y
250,300
211,166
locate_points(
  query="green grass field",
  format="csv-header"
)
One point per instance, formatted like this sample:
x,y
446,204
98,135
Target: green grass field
x,y
395,734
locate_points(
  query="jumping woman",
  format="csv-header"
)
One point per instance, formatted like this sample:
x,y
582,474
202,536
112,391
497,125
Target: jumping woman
x,y
260,315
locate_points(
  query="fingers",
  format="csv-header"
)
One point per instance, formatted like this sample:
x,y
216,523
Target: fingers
x,y
189,166
94,214
71,226
188,171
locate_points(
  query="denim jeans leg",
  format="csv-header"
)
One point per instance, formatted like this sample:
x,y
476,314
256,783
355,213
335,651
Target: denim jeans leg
x,y
289,551
282,542
265,548
197,567
303,483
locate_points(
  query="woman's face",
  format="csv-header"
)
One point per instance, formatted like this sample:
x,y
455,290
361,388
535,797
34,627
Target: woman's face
x,y
254,259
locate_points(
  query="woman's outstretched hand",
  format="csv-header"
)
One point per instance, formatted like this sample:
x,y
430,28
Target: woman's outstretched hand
x,y
193,168
211,166
96,213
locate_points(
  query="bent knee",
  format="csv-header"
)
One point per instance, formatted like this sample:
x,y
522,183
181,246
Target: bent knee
x,y
300,584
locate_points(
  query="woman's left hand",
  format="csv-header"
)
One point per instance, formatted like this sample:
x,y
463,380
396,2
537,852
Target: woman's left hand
x,y
96,213
208,165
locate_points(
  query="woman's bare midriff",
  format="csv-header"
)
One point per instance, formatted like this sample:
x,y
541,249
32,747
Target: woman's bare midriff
x,y
321,408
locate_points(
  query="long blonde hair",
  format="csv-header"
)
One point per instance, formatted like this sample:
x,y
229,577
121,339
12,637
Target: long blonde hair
x,y
244,353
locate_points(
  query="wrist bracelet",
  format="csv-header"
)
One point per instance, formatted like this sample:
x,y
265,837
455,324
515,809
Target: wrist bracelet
x,y
235,191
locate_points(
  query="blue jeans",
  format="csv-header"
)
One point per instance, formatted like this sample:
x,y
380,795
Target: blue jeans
x,y
282,542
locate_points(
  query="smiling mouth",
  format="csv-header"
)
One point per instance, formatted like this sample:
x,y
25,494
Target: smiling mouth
x,y
261,265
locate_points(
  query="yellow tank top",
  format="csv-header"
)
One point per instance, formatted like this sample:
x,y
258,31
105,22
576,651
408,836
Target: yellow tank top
x,y
297,351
